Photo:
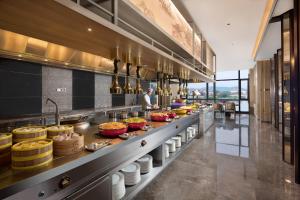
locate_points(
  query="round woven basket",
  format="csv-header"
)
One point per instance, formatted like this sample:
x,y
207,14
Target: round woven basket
x,y
29,155
5,146
53,131
36,133
68,147
5,140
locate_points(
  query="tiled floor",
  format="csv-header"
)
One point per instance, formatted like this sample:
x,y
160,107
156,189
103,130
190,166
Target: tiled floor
x,y
235,160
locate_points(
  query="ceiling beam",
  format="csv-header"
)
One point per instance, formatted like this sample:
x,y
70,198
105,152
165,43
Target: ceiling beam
x,y
263,25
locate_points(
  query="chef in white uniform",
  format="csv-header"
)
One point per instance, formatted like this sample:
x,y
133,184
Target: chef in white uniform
x,y
146,102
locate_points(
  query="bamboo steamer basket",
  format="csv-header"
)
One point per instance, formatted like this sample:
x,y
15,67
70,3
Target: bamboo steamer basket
x,y
5,140
53,131
5,146
29,133
30,155
74,144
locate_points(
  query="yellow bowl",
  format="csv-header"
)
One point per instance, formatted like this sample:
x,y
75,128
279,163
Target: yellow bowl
x,y
180,111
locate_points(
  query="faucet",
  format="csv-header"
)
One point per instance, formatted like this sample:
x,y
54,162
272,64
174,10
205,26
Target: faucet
x,y
57,119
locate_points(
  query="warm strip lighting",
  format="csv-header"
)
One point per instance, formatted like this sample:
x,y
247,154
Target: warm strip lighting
x,y
263,25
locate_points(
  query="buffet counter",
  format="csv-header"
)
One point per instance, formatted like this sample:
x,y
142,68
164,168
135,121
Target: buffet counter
x,y
207,116
78,176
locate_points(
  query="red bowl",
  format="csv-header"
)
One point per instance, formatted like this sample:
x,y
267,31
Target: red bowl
x,y
171,115
113,132
136,125
159,118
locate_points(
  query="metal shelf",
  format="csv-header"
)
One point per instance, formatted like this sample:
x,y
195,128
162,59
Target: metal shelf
x,y
132,191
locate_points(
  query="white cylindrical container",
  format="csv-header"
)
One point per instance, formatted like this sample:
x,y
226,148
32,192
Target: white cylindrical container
x,y
118,186
183,137
172,146
177,140
189,133
146,163
167,154
132,174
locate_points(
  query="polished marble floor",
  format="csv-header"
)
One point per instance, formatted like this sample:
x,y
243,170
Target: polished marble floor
x,y
236,159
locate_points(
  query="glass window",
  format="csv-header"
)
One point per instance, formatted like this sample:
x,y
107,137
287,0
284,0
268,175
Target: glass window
x,y
244,73
244,106
227,90
244,89
227,75
200,87
210,90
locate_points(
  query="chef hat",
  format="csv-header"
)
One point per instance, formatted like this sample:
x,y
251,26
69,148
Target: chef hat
x,y
149,90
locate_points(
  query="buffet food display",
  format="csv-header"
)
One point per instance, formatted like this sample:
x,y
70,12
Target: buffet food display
x,y
112,129
5,145
53,131
135,123
32,154
67,144
159,117
180,111
29,133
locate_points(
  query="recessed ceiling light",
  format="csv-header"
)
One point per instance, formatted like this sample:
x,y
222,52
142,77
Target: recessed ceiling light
x,y
89,29
228,24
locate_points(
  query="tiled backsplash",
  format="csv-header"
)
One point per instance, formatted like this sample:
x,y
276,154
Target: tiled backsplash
x,y
83,90
24,88
20,88
57,85
103,98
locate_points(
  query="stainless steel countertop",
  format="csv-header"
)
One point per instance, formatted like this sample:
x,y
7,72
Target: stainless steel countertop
x,y
9,177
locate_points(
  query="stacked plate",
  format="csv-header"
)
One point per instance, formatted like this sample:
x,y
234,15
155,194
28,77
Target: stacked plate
x,y
191,132
172,146
177,140
146,163
118,186
167,151
132,174
183,137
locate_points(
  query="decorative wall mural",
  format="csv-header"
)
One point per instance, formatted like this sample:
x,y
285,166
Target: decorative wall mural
x,y
165,14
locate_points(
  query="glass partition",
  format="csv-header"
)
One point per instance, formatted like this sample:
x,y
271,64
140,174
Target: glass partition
x,y
288,140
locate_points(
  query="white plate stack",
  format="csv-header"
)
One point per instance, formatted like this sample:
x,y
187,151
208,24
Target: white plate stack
x,y
156,154
132,174
118,186
172,146
177,140
191,131
183,137
146,163
167,154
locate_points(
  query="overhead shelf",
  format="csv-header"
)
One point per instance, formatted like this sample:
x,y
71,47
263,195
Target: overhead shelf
x,y
64,22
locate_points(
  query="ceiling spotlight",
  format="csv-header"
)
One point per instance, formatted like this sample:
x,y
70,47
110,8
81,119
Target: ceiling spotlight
x,y
89,30
228,24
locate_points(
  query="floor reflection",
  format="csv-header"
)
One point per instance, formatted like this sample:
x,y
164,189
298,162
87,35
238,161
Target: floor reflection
x,y
232,136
